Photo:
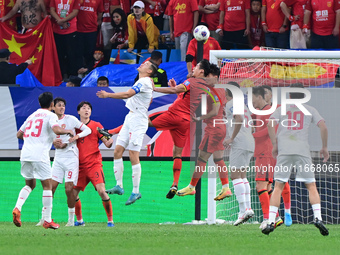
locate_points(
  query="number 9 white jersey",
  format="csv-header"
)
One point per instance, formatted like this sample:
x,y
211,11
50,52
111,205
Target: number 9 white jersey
x,y
38,136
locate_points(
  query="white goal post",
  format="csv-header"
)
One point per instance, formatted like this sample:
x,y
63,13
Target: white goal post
x,y
329,106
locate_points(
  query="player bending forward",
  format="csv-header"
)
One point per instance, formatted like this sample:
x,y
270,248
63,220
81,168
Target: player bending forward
x,y
38,133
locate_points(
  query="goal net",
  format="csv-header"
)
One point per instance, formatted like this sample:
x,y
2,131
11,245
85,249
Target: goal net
x,y
318,71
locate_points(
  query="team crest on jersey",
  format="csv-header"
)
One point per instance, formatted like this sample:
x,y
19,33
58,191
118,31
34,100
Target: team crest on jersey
x,y
231,109
273,6
63,126
329,4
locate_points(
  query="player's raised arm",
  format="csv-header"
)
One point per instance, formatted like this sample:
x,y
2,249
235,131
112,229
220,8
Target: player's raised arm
x,y
324,138
171,90
238,125
119,95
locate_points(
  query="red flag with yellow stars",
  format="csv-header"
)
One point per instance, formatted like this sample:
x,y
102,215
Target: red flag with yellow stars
x,y
38,45
5,7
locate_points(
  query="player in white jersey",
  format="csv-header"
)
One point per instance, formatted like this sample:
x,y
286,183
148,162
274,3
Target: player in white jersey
x,y
135,125
291,148
242,146
38,132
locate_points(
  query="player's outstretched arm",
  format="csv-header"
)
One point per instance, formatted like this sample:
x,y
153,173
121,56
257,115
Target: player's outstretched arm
x,y
60,131
324,137
118,95
271,131
171,90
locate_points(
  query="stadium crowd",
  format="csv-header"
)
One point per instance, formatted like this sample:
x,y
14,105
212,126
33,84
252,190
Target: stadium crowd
x,y
85,32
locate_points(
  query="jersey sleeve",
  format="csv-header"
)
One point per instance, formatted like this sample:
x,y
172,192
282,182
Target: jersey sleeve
x,y
53,121
186,84
98,134
316,117
247,4
192,48
264,2
194,5
23,126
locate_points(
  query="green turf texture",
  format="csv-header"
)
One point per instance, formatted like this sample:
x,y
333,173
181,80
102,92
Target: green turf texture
x,y
129,238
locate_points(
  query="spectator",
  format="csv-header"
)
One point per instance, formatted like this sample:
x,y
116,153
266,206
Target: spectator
x,y
102,81
210,10
191,57
256,36
183,19
119,39
156,10
65,34
143,34
125,5
106,30
32,13
275,24
89,19
325,24
10,71
73,81
234,23
160,78
97,61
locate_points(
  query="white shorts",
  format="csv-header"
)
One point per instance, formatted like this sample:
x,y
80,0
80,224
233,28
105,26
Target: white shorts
x,y
36,170
132,133
67,168
285,164
239,159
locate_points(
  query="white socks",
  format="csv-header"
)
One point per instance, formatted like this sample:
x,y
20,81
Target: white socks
x,y
240,190
23,195
288,211
317,211
118,169
136,173
47,205
71,213
272,213
247,193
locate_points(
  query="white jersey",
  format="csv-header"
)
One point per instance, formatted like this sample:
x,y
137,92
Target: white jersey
x,y
140,102
244,139
38,135
292,134
71,122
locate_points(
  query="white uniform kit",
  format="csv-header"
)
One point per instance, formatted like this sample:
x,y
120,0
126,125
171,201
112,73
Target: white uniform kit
x,y
293,147
136,121
66,161
38,139
242,148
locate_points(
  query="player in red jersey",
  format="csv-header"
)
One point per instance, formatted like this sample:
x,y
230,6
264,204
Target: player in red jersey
x,y
177,117
212,142
90,163
265,162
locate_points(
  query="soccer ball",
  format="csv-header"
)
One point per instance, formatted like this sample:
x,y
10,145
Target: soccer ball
x,y
201,33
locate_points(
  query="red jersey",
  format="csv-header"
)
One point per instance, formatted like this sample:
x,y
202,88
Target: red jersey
x,y
234,14
210,44
183,15
88,14
256,30
187,102
64,8
263,144
89,152
125,5
274,15
211,19
324,15
218,97
106,14
297,9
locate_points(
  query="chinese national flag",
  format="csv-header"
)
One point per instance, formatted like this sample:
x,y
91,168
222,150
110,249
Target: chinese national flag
x,y
5,7
38,45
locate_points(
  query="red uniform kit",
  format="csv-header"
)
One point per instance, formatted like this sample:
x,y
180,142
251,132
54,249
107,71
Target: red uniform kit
x,y
90,159
214,135
297,9
274,15
87,16
211,19
210,44
63,8
177,117
234,14
265,162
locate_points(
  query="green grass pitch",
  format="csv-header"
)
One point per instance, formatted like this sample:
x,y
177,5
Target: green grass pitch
x,y
137,238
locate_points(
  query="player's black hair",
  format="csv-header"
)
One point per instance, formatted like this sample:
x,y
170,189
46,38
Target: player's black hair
x,y
267,87
258,91
234,83
205,65
45,99
214,70
59,99
156,55
81,104
256,1
297,95
103,78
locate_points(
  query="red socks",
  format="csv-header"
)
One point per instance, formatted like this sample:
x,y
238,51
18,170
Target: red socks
x,y
176,168
78,210
108,209
199,171
222,171
286,195
264,200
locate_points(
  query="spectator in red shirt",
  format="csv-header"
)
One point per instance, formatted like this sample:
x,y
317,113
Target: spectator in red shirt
x,y
325,24
64,26
256,36
275,24
89,19
234,23
183,19
123,4
119,39
210,10
107,30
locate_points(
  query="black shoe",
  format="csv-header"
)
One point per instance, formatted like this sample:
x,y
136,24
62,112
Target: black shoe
x,y
105,133
172,192
319,224
268,229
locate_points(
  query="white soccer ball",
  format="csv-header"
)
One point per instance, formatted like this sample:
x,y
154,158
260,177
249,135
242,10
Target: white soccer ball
x,y
201,33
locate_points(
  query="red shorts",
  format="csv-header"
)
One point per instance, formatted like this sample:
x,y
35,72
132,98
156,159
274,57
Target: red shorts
x,y
92,174
265,169
177,126
213,140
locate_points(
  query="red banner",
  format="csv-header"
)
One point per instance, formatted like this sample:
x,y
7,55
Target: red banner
x,y
38,45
